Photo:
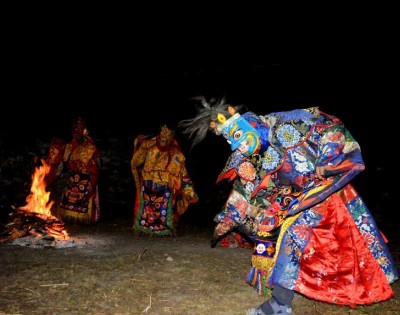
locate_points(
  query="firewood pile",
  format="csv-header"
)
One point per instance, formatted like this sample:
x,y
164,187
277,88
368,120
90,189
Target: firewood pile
x,y
35,229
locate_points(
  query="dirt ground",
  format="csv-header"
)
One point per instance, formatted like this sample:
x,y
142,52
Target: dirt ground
x,y
107,270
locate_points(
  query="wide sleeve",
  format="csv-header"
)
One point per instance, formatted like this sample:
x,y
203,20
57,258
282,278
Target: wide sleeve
x,y
94,165
138,158
339,152
238,212
55,159
341,156
139,152
188,192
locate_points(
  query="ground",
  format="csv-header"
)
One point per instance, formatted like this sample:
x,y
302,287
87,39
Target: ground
x,y
111,271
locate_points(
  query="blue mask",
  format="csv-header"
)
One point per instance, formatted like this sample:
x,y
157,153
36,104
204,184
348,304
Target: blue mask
x,y
240,133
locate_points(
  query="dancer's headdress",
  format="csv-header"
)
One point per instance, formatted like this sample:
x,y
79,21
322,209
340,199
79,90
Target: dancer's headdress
x,y
212,116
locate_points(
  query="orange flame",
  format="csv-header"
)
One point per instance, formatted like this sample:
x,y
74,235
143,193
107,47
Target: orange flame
x,y
38,199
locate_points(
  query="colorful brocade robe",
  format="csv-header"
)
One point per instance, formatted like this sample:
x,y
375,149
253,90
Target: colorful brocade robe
x,y
76,182
315,237
164,189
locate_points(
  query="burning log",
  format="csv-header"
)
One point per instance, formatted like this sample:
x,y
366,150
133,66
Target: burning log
x,y
23,223
54,231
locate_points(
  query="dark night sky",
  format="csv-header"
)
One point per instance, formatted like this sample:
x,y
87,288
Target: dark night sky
x,y
128,70
133,68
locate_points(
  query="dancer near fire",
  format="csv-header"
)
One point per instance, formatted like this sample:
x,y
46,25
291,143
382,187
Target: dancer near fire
x,y
164,189
291,194
74,176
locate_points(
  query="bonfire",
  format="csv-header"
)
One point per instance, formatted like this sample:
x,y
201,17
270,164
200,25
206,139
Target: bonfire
x,y
35,218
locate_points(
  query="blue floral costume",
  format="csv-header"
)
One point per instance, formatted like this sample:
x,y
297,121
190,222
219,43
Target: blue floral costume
x,y
314,236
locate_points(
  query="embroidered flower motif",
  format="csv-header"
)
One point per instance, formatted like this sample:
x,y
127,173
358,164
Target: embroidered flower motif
x,y
301,163
302,232
288,136
368,237
383,261
270,250
270,160
247,171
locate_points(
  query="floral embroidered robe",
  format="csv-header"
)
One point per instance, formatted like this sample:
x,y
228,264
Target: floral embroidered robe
x,y
315,237
164,189
77,182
